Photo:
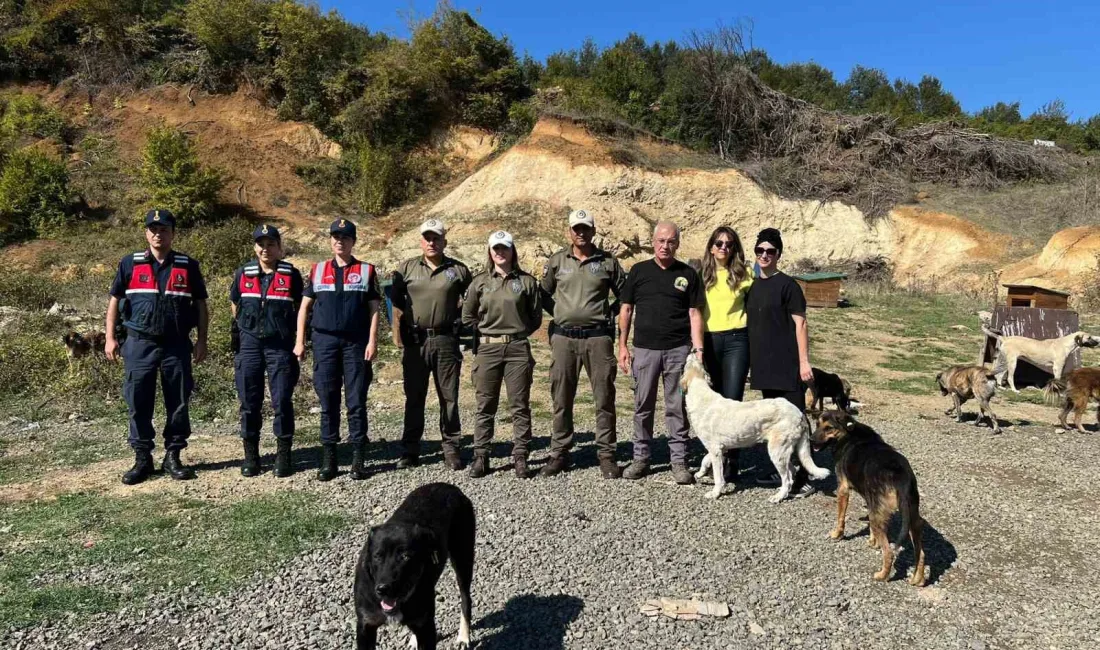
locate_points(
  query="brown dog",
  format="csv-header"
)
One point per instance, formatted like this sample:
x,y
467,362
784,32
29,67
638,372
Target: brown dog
x,y
883,477
82,345
969,382
1074,392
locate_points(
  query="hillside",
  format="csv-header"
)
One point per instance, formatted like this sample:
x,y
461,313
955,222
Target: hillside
x,y
628,181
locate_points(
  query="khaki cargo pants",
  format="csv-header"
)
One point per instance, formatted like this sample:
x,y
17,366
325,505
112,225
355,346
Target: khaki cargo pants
x,y
596,355
510,364
437,357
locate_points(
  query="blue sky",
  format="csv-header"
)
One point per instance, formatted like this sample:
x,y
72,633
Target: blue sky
x,y
1031,52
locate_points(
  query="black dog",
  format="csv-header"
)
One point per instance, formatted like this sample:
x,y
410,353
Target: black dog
x,y
883,477
826,384
403,558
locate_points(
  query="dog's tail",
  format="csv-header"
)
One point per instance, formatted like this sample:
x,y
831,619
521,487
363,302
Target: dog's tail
x,y
908,506
1054,391
804,455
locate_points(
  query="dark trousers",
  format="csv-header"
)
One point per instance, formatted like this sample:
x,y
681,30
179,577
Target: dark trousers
x,y
144,359
439,358
726,358
276,358
798,398
596,355
510,364
339,362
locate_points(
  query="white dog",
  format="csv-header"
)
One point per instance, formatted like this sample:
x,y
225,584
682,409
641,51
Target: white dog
x,y
1051,353
722,423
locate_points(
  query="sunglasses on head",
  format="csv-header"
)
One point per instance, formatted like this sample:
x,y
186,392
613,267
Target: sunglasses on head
x,y
761,251
724,245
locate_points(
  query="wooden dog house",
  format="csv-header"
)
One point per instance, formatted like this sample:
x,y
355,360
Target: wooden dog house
x,y
1029,295
821,289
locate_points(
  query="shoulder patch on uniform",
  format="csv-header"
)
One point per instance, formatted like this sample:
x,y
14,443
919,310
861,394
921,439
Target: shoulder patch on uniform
x,y
139,257
181,258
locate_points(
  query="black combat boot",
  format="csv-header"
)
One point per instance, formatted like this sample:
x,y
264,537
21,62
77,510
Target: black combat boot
x,y
250,466
284,466
453,459
358,472
609,468
175,467
480,466
558,464
327,470
142,469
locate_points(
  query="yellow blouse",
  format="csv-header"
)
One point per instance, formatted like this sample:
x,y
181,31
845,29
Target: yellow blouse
x,y
725,308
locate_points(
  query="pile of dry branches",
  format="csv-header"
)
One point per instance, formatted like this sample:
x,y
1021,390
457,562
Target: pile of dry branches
x,y
799,150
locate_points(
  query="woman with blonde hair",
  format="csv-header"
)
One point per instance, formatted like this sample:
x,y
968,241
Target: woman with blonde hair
x,y
726,279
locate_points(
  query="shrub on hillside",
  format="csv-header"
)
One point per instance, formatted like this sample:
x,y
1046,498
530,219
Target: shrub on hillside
x,y
228,29
173,177
34,195
26,115
381,181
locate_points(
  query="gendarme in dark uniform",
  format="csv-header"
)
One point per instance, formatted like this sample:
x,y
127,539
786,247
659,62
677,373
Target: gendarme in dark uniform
x,y
266,293
160,301
575,293
344,297
505,309
427,296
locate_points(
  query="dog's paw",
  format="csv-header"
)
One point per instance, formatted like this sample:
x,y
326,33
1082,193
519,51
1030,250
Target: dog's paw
x,y
778,496
820,474
836,533
881,576
713,494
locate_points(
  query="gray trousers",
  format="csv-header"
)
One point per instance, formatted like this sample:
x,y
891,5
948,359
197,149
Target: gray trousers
x,y
596,355
650,368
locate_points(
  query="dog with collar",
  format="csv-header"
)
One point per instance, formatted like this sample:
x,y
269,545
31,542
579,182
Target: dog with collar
x,y
722,424
402,560
1042,353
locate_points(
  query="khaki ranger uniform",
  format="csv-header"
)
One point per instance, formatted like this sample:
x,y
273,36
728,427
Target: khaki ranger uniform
x,y
429,300
505,310
575,293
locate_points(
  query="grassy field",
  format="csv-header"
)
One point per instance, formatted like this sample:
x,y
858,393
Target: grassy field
x,y
84,553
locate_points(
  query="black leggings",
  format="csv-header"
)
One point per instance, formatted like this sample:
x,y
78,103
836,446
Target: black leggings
x,y
798,398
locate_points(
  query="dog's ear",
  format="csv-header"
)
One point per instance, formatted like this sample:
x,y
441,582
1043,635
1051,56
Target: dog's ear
x,y
369,549
428,542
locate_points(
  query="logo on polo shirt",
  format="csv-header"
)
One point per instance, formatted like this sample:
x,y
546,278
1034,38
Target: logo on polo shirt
x,y
248,285
355,278
282,282
178,282
516,286
594,269
681,283
144,277
451,274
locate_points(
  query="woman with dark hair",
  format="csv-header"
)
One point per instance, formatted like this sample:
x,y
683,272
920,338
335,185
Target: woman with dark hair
x,y
726,279
504,305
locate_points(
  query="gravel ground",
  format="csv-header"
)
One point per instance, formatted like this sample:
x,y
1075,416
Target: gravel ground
x,y
566,562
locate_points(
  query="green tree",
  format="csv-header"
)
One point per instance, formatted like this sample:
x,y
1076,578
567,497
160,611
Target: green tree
x,y
174,179
228,29
868,90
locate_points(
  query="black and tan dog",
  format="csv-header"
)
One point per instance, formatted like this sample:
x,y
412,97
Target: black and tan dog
x,y
84,345
965,382
827,384
883,477
1074,392
403,558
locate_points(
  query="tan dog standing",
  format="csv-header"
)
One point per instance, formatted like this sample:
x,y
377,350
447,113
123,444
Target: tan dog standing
x,y
1075,391
1043,353
965,382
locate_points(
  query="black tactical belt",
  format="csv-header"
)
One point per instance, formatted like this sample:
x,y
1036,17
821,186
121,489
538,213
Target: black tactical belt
x,y
582,332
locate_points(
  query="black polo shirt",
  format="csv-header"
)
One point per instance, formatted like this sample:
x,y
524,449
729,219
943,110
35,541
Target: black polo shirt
x,y
661,299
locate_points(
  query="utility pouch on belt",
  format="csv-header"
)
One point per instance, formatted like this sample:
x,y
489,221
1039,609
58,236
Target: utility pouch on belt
x,y
234,338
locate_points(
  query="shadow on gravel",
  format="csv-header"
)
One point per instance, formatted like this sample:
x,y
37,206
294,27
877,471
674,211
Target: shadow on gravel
x,y
939,554
530,622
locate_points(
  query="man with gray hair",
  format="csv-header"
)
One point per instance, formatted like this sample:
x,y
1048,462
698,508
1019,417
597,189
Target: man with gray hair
x,y
668,297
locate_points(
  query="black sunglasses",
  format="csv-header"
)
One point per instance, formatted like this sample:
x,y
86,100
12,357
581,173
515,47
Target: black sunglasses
x,y
724,245
761,251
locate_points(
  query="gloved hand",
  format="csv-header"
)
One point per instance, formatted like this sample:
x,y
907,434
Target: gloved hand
x,y
234,338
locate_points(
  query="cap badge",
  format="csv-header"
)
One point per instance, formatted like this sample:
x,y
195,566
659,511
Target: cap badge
x,y
264,231
343,223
